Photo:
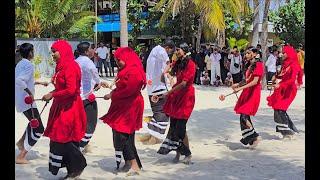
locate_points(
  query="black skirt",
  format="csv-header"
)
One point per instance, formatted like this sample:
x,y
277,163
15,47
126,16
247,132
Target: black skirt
x,y
66,155
174,139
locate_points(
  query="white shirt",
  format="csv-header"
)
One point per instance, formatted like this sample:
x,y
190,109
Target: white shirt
x,y
89,76
103,52
208,62
234,59
215,58
156,63
271,63
24,78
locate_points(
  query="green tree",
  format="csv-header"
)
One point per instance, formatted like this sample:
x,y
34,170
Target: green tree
x,y
55,18
210,14
289,22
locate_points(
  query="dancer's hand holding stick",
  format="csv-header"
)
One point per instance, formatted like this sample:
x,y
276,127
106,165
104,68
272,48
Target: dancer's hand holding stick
x,y
156,97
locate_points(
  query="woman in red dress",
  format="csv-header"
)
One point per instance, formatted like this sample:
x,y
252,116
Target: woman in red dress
x,y
67,118
249,100
179,105
285,91
126,110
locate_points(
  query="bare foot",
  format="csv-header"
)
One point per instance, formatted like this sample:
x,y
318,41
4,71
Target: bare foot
x,y
132,173
177,158
87,149
289,137
255,143
20,145
144,137
187,160
21,160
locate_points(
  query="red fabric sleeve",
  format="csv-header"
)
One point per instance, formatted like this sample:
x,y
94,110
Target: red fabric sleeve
x,y
189,72
258,71
71,84
127,86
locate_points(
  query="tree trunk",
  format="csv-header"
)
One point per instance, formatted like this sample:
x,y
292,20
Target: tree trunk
x,y
123,24
221,38
199,32
256,18
264,35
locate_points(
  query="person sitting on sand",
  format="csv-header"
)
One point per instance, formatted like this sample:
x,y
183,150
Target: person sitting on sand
x,y
229,81
205,80
217,82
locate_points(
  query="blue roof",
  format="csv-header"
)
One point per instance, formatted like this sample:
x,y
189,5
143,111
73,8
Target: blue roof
x,y
110,27
111,23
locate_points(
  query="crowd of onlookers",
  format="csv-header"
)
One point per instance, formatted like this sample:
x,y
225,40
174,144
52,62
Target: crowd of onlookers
x,y
215,66
224,66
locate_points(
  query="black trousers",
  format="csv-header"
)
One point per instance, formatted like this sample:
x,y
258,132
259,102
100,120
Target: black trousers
x,y
269,79
237,77
66,155
270,75
284,125
249,134
223,72
32,135
197,77
92,115
174,139
124,145
106,65
159,122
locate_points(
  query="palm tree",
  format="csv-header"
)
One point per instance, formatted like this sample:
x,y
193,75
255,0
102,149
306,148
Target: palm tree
x,y
264,35
210,12
123,24
47,18
256,19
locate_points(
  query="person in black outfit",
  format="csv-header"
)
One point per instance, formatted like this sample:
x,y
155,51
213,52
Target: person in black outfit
x,y
199,61
223,69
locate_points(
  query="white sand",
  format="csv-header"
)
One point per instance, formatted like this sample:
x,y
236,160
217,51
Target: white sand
x,y
214,134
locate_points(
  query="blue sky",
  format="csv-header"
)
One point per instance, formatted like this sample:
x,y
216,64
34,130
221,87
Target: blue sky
x,y
274,5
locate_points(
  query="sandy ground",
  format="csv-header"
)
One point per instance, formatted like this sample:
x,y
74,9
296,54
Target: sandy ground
x,y
214,134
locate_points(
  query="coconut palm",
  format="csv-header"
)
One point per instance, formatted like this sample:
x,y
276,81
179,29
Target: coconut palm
x,y
211,14
256,19
123,23
53,18
264,35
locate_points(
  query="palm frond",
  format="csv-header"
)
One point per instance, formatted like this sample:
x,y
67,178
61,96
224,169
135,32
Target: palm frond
x,y
83,24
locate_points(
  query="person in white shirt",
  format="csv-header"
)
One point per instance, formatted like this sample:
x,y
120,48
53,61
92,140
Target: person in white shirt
x,y
271,65
215,58
157,62
89,82
104,58
235,65
24,86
